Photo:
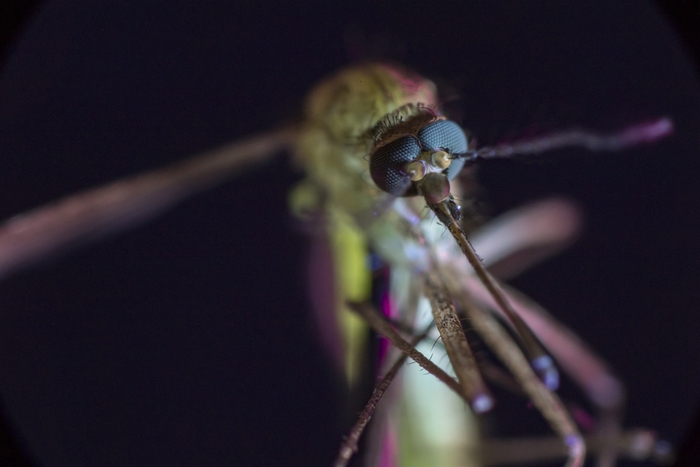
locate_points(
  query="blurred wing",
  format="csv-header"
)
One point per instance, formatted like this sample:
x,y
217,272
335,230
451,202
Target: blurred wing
x,y
125,203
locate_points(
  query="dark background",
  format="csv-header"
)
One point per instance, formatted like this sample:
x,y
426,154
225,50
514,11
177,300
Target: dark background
x,y
189,341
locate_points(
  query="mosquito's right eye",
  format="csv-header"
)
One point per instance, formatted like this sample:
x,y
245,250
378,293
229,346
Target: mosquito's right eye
x,y
445,134
386,164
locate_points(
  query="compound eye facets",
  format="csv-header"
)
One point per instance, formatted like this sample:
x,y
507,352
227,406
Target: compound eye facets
x,y
435,143
443,134
448,136
386,166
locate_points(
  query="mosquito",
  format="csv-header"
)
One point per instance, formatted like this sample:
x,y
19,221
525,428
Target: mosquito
x,y
382,165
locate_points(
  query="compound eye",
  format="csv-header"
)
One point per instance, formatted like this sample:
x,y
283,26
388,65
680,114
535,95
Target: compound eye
x,y
447,135
386,164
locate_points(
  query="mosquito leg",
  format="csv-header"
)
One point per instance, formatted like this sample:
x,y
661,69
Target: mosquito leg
x,y
576,358
538,226
122,204
636,444
349,446
581,362
380,326
546,401
540,361
586,367
404,328
499,377
456,345
494,374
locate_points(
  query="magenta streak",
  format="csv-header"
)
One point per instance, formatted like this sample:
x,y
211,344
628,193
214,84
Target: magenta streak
x,y
388,310
390,447
647,132
583,419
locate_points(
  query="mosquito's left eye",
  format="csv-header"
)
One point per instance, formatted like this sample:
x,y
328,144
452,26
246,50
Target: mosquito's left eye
x,y
447,135
386,164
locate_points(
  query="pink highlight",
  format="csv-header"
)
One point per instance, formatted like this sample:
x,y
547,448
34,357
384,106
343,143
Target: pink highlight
x,y
390,447
583,419
387,308
647,132
637,134
415,87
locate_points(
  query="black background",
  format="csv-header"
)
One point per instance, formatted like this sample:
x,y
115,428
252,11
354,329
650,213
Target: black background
x,y
189,341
